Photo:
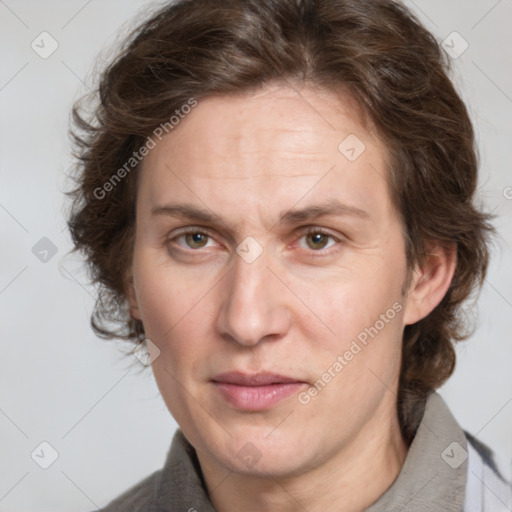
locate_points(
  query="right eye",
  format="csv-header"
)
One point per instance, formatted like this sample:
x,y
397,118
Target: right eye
x,y
193,239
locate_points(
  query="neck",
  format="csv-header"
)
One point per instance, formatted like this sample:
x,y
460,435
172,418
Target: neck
x,y
351,480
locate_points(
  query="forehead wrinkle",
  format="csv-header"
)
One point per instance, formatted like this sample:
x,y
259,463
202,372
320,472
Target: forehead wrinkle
x,y
259,176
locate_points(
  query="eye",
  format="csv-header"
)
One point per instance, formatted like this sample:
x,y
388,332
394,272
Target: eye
x,y
317,240
193,239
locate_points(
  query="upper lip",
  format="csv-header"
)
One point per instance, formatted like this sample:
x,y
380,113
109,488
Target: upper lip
x,y
255,379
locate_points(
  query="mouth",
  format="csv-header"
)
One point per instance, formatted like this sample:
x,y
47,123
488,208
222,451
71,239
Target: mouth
x,y
255,392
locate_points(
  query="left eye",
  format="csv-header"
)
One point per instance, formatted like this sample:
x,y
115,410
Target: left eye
x,y
317,240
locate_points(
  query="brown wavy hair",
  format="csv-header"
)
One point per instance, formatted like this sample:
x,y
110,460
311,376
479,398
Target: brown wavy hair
x,y
374,50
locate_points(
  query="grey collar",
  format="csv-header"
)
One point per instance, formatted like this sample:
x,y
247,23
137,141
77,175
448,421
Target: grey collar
x,y
433,477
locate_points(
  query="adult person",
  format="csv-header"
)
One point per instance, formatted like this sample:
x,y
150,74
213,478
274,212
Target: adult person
x,y
275,198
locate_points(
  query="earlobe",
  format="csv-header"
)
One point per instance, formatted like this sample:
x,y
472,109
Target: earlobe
x,y
430,282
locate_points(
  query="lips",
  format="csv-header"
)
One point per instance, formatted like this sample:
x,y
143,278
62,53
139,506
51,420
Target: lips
x,y
258,379
255,392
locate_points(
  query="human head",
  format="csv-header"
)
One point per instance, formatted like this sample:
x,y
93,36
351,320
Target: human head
x,y
373,52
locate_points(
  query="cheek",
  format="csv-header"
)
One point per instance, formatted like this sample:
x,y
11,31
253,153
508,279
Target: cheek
x,y
357,316
346,306
165,295
176,309
174,317
362,359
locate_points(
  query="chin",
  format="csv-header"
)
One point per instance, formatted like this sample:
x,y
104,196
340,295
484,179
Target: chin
x,y
268,464
260,454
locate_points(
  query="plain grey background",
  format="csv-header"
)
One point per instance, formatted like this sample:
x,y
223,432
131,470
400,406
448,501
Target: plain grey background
x,y
61,385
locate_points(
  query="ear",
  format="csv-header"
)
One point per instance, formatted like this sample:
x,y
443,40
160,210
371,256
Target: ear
x,y
131,298
430,282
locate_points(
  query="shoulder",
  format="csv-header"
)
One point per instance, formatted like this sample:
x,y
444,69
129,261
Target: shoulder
x,y
174,487
486,489
137,498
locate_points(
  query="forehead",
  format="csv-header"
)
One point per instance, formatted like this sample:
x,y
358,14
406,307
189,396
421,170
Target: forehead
x,y
276,145
277,121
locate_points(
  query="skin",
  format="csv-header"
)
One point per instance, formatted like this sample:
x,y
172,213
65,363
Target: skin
x,y
295,309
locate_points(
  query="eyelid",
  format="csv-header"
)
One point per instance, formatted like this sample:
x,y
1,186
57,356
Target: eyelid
x,y
317,229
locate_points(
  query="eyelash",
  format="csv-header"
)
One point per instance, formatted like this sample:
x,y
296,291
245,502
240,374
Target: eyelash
x,y
309,230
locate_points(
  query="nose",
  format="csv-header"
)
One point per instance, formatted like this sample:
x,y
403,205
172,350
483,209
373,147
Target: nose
x,y
254,303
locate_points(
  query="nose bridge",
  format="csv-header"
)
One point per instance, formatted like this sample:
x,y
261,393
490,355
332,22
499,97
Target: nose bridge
x,y
253,308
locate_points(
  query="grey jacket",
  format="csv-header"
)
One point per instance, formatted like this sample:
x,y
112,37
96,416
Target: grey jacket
x,y
445,470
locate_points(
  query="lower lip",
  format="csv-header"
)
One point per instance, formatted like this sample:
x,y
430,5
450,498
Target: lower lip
x,y
257,398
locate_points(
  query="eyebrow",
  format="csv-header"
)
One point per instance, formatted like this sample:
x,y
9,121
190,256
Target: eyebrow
x,y
293,216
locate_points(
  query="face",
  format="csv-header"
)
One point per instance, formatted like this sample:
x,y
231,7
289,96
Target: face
x,y
268,270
